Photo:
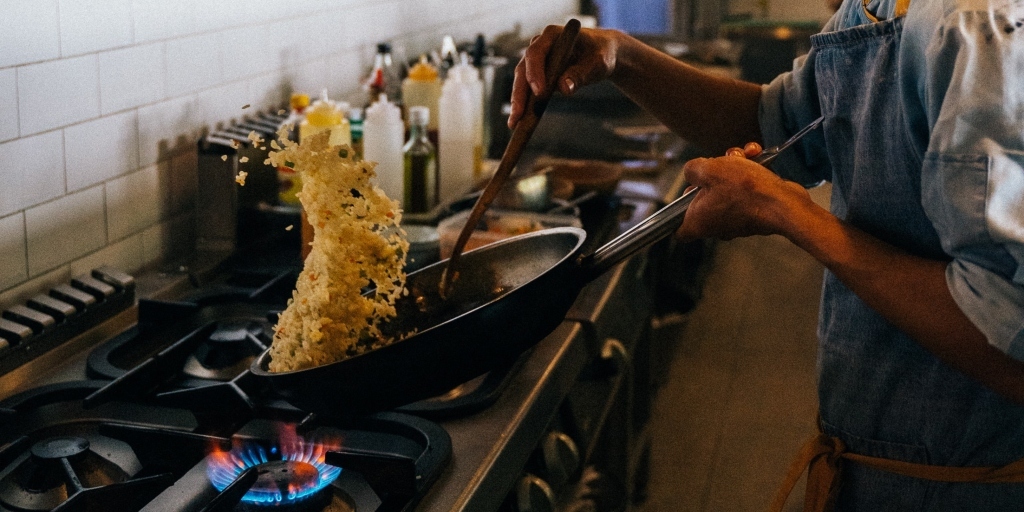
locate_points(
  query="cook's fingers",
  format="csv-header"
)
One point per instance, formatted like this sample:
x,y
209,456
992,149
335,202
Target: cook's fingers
x,y
574,77
519,92
536,56
750,150
735,152
695,172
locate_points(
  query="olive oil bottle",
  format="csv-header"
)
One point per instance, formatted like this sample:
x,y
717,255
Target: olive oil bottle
x,y
420,164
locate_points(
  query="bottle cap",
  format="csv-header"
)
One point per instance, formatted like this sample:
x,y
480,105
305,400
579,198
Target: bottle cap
x,y
383,47
324,112
419,116
299,101
464,71
423,71
384,111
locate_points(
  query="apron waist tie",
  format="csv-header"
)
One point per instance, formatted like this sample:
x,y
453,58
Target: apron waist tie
x,y
822,456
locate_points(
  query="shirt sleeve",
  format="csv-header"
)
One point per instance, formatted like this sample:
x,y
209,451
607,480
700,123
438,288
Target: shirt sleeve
x,y
973,171
789,103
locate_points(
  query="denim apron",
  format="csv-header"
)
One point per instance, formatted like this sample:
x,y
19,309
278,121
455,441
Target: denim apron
x,y
881,393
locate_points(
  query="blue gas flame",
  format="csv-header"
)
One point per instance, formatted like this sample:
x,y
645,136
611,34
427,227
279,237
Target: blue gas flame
x,y
224,467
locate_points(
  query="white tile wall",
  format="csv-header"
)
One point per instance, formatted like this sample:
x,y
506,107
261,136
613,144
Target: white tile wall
x,y
126,255
12,250
102,102
8,104
242,52
132,77
160,19
193,64
100,150
223,104
169,239
29,32
134,202
58,93
33,168
184,181
165,126
224,14
65,229
92,25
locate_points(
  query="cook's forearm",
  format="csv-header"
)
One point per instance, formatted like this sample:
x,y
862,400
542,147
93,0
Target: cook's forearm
x,y
713,112
909,291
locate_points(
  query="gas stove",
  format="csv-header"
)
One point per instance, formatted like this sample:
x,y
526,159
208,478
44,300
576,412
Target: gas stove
x,y
113,403
125,456
164,416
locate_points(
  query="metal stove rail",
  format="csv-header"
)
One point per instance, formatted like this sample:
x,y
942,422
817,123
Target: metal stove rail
x,y
47,320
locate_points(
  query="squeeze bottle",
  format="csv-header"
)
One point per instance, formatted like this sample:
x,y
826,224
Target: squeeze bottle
x,y
422,88
383,134
459,131
325,114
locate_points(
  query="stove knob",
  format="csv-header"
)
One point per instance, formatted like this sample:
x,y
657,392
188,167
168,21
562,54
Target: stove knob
x,y
561,457
534,495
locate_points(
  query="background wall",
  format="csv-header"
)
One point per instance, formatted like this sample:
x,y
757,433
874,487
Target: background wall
x,y
789,10
102,102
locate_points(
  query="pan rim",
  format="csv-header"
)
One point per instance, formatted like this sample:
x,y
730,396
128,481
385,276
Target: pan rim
x,y
258,365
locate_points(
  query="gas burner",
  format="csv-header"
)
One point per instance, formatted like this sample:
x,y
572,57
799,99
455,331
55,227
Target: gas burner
x,y
54,471
227,351
92,466
294,474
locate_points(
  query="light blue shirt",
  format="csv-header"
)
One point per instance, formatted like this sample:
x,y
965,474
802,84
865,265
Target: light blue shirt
x,y
962,78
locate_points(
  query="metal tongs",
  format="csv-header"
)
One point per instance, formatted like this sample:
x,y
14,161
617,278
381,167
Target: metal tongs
x,y
767,156
666,220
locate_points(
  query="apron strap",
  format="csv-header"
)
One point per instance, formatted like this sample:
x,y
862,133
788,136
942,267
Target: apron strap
x,y
822,455
901,9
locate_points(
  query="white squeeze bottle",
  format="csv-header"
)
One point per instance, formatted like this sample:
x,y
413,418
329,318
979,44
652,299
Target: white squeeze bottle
x,y
383,139
460,131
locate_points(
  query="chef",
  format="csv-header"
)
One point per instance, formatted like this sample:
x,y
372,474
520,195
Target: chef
x,y
921,379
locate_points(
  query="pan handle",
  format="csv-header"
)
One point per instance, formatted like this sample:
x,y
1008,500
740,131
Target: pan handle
x,y
659,225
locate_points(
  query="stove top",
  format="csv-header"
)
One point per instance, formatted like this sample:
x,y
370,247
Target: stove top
x,y
57,453
165,416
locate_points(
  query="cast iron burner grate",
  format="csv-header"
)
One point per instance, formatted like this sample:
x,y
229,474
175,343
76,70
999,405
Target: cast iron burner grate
x,y
93,466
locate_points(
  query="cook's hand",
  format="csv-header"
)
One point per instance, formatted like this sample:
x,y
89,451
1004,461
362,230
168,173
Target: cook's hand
x,y
737,198
593,59
750,150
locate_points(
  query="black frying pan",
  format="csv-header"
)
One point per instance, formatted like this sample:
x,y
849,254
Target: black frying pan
x,y
510,295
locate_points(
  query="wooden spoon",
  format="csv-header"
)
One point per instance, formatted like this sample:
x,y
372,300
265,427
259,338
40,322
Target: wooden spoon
x,y
554,66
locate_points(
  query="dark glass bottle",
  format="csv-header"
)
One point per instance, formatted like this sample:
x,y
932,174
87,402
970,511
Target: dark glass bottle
x,y
385,76
420,164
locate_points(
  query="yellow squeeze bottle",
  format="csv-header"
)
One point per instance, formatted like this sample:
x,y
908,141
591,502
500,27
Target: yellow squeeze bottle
x,y
422,88
325,114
